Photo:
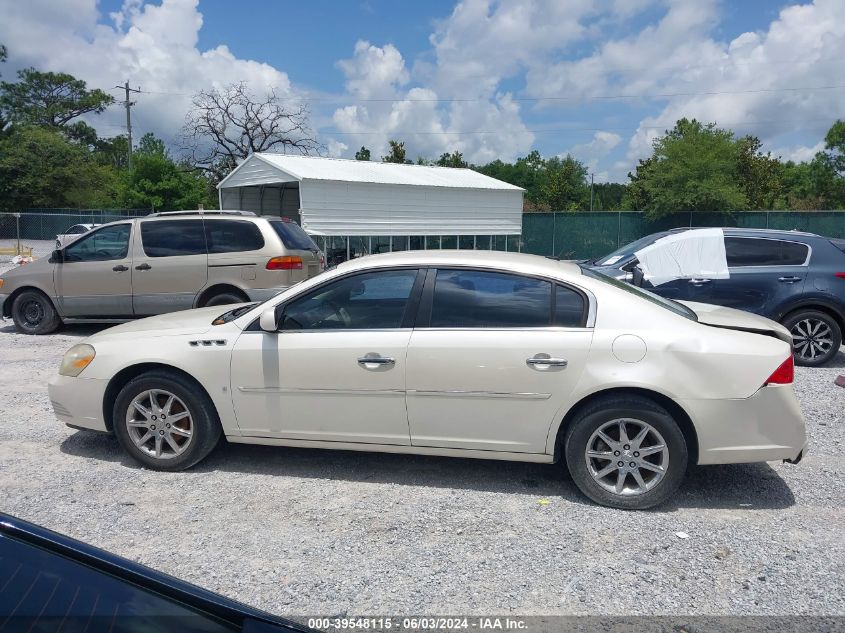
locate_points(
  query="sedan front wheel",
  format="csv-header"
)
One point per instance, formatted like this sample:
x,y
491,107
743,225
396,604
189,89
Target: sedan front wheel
x,y
165,421
626,452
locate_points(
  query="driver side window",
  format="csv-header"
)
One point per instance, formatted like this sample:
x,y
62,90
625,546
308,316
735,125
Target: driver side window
x,y
369,301
111,242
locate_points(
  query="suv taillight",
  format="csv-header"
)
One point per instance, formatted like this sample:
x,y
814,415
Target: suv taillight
x,y
840,275
784,374
286,262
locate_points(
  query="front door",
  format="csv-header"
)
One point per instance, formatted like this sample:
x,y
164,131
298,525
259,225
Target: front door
x,y
496,361
169,266
335,370
94,278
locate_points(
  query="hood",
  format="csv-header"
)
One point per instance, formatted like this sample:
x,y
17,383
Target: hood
x,y
171,324
40,265
731,319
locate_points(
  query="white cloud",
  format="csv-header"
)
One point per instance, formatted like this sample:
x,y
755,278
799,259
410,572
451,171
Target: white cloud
x,y
798,153
600,146
153,46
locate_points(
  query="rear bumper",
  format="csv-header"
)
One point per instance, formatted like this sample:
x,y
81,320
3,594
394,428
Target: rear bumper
x,y
78,402
768,426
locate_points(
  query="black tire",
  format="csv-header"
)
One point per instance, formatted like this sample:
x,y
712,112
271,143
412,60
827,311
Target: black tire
x,y
205,424
825,348
601,412
34,313
224,298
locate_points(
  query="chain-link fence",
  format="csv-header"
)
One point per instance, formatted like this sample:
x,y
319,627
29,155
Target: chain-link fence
x,y
566,235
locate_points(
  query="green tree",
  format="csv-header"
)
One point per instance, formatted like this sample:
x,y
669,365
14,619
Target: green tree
x,y
694,167
40,167
834,144
608,196
112,151
397,153
760,176
52,100
564,185
362,154
455,159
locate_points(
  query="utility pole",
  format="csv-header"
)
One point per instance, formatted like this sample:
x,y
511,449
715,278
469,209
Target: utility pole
x,y
128,105
591,192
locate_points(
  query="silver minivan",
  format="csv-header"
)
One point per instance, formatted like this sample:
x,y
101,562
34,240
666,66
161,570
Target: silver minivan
x,y
160,263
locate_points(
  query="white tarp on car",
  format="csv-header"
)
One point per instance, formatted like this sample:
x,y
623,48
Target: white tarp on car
x,y
697,253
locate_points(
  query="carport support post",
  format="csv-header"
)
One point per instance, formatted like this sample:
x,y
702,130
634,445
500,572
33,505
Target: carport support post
x,y
390,242
348,252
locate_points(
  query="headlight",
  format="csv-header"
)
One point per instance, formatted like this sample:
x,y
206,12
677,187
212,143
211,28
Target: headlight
x,y
1,282
76,359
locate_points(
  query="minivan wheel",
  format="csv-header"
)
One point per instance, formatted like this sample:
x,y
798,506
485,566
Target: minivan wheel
x,y
816,337
165,421
626,452
224,298
33,313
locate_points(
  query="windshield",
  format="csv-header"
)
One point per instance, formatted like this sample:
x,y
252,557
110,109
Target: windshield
x,y
623,253
293,236
663,302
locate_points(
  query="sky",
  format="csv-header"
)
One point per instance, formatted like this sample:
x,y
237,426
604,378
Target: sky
x,y
598,79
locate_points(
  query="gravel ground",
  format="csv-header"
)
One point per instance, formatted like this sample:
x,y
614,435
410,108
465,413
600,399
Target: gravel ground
x,y
306,532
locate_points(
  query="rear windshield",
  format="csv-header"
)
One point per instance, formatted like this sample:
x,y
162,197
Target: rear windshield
x,y
663,302
293,237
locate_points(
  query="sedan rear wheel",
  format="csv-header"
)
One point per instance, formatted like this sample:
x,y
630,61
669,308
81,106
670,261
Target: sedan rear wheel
x,y
165,420
816,337
626,452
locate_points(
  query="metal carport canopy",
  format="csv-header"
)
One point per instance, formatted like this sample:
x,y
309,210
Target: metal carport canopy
x,y
351,197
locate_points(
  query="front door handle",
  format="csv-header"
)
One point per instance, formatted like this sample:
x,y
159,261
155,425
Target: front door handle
x,y
376,360
143,267
544,360
789,280
120,268
700,282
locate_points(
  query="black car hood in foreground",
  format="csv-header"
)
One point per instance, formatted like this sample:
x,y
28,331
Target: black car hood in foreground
x,y
50,581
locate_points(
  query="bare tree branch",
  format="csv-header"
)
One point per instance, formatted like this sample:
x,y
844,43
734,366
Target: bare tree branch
x,y
224,126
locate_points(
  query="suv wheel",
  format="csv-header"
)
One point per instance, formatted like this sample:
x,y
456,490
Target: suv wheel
x,y
165,421
33,313
816,337
626,452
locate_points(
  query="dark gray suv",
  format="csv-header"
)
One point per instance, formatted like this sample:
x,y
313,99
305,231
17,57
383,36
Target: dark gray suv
x,y
795,278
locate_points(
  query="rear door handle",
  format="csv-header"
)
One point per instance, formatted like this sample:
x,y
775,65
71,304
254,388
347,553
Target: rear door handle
x,y
143,267
789,280
120,268
700,282
545,360
376,360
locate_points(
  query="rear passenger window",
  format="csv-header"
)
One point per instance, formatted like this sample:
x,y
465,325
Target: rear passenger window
x,y
569,307
469,298
749,251
172,238
232,236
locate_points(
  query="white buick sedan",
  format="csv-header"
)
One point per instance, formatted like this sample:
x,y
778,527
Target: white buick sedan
x,y
453,353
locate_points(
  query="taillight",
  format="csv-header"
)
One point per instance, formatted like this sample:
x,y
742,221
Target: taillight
x,y
784,374
286,262
840,275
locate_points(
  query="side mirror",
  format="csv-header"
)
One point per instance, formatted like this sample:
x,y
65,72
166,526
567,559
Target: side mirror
x,y
267,321
56,257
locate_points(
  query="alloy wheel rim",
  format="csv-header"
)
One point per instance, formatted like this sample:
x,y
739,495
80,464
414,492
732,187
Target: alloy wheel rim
x,y
159,424
33,313
627,457
811,339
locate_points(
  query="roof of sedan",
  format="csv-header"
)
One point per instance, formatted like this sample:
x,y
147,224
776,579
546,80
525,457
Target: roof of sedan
x,y
520,262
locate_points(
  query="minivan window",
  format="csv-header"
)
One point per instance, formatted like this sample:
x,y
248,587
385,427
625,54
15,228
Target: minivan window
x,y
481,299
110,242
172,238
369,301
750,251
293,236
232,236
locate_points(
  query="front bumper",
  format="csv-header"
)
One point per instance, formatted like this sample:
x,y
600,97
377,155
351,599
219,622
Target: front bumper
x,y
78,402
766,427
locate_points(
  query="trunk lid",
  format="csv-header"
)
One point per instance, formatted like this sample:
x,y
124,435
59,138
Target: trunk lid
x,y
731,319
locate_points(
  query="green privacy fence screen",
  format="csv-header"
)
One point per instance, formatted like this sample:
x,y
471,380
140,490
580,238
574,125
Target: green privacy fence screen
x,y
567,235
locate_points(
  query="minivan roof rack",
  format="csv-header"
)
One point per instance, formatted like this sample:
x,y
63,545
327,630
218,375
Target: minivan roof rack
x,y
200,212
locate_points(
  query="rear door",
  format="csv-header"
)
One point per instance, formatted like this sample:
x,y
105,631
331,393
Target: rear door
x,y
169,265
764,273
94,278
494,359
